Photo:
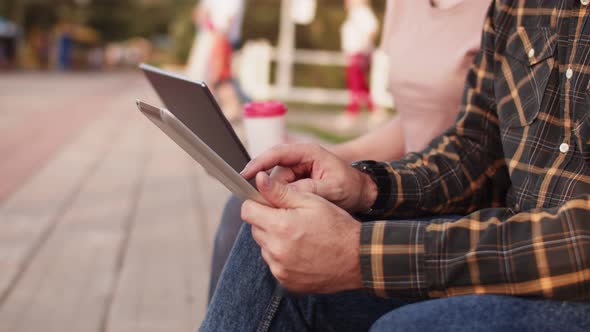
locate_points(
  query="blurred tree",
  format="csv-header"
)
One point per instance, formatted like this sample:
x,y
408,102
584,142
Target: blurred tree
x,y
182,31
121,19
115,19
262,21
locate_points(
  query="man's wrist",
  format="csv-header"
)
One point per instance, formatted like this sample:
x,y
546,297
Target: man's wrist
x,y
354,274
369,192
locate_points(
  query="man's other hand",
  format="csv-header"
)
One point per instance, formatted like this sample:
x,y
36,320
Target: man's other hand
x,y
311,168
310,245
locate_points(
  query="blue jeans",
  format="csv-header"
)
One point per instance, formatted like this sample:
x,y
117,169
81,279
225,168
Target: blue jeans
x,y
227,232
248,298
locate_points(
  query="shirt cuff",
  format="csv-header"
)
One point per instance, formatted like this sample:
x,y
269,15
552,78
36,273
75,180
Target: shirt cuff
x,y
392,259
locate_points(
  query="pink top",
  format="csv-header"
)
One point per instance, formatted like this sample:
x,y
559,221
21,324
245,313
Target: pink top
x,y
430,49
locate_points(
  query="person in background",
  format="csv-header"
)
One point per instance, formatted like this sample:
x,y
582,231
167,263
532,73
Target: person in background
x,y
427,90
219,33
430,45
201,51
222,18
358,34
8,44
64,46
40,43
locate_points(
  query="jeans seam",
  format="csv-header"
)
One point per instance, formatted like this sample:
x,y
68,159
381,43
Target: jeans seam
x,y
271,310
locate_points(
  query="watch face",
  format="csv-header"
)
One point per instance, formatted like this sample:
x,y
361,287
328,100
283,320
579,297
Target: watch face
x,y
379,174
363,164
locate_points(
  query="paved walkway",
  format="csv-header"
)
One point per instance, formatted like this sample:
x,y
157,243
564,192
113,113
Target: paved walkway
x,y
105,225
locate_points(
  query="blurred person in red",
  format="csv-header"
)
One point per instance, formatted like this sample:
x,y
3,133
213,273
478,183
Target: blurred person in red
x,y
219,34
358,34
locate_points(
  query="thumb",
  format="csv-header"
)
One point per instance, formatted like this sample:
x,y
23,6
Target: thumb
x,y
307,186
278,194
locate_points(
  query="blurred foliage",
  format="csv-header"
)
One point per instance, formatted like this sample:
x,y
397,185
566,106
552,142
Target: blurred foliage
x,y
333,77
117,20
114,19
121,19
182,31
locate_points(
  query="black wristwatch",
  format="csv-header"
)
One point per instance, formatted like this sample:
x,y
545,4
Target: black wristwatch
x,y
378,172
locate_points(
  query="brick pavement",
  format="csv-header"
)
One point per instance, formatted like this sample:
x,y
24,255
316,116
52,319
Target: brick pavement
x,y
105,224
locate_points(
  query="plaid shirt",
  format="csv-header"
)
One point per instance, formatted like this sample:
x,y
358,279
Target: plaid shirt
x,y
516,163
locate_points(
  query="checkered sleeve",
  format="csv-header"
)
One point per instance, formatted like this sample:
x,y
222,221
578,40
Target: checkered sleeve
x,y
540,253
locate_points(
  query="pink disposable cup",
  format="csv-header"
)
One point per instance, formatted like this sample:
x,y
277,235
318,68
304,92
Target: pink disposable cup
x,y
265,125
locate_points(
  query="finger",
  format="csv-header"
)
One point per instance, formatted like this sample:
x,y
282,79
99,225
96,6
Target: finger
x,y
283,175
257,214
267,258
281,155
259,235
306,185
278,194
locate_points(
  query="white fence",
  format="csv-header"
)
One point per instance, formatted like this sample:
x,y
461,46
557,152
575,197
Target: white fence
x,y
255,76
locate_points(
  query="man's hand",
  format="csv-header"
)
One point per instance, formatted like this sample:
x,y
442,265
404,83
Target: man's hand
x,y
310,245
311,168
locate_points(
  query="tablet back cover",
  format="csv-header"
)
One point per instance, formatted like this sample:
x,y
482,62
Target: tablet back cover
x,y
192,103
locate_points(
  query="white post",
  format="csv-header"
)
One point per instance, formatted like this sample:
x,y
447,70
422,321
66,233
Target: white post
x,y
286,50
254,69
380,79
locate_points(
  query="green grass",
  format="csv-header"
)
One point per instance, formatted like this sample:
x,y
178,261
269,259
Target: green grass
x,y
327,108
322,134
309,107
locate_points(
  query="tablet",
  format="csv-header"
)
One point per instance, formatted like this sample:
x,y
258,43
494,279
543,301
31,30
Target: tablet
x,y
200,152
192,103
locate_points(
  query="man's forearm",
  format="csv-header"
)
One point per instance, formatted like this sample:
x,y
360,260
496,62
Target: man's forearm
x,y
546,255
384,143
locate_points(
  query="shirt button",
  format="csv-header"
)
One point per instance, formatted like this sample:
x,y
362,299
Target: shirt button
x,y
564,147
532,51
569,72
584,2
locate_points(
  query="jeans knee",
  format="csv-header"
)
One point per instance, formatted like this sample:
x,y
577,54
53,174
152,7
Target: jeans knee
x,y
486,313
464,313
395,321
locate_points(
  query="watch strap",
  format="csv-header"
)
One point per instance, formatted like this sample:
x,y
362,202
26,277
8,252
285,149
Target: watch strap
x,y
382,178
